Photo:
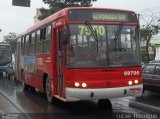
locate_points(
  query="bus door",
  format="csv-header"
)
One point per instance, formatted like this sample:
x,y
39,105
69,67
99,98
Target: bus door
x,y
60,62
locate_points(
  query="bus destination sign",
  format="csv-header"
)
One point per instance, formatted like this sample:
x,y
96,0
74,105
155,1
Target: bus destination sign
x,y
102,15
4,47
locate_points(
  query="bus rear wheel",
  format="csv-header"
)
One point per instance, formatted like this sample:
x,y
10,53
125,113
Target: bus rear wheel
x,y
49,91
24,85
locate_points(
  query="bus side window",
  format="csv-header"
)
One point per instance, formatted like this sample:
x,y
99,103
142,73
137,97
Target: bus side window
x,y
27,40
41,34
47,39
39,45
22,45
18,44
26,45
22,41
32,43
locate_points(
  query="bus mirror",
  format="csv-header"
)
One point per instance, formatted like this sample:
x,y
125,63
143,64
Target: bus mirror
x,y
65,37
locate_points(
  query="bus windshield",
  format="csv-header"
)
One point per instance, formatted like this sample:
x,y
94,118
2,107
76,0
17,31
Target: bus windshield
x,y
5,57
120,51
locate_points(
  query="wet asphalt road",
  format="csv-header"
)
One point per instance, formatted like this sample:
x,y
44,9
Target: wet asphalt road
x,y
35,105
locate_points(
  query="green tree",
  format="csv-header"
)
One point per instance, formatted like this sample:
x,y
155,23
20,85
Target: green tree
x,y
150,27
56,5
10,39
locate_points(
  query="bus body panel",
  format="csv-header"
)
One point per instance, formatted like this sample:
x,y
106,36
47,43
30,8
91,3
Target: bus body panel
x,y
104,77
34,74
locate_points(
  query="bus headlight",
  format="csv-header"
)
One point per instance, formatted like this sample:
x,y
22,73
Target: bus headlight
x,y
130,83
84,85
136,81
76,84
10,65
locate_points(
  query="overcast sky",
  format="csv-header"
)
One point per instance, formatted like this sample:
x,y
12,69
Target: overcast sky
x,y
18,19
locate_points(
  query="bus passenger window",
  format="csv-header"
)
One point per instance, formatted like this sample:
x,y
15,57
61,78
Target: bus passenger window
x,y
47,40
39,45
26,45
38,36
22,45
27,40
41,34
48,33
32,44
22,41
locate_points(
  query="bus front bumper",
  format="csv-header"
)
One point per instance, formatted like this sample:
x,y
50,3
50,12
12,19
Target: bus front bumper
x,y
76,94
7,69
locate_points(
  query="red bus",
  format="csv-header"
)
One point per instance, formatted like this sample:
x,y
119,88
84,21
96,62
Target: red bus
x,y
82,54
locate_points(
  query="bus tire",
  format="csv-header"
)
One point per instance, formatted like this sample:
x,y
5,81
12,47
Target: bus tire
x,y
49,91
104,104
24,85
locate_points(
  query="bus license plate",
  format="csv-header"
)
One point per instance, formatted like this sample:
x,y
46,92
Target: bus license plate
x,y
135,90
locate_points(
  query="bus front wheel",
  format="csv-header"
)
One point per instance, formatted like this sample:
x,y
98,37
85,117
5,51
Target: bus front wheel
x,y
104,104
49,91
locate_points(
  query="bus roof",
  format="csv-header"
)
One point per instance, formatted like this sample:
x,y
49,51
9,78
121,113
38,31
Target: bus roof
x,y
64,12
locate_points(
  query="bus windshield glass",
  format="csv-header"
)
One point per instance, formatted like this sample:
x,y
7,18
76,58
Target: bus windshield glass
x,y
5,57
122,51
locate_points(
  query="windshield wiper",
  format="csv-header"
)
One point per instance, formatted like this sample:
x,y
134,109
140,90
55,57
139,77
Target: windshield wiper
x,y
117,34
94,33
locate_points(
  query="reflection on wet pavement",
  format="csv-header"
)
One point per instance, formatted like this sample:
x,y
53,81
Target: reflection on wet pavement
x,y
36,106
150,98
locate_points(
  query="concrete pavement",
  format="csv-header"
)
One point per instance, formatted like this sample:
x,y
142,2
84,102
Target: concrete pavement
x,y
6,106
8,110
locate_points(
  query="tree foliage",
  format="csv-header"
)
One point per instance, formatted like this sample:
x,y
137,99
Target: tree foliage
x,y
144,55
10,39
56,5
150,27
